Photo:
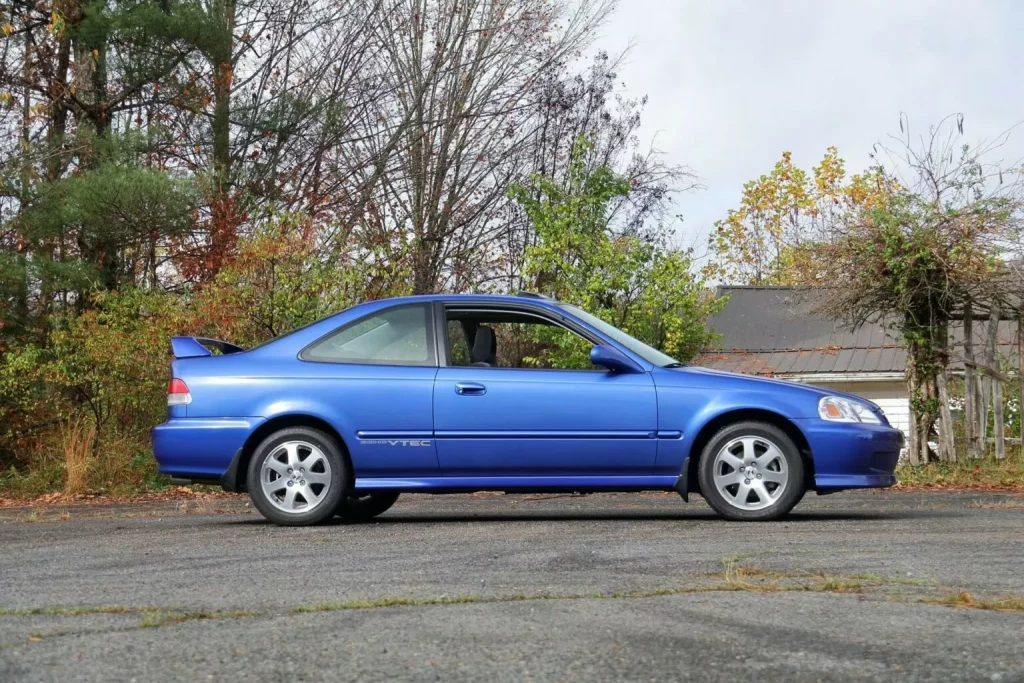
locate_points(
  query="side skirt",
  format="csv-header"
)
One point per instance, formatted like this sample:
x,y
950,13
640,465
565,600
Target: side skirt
x,y
551,484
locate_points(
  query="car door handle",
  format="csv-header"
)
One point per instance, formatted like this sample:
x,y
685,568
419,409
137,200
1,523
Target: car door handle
x,y
470,389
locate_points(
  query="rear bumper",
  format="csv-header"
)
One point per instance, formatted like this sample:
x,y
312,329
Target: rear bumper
x,y
850,456
200,449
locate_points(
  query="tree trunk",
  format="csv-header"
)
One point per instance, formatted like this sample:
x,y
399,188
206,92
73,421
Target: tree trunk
x,y
947,435
223,219
1000,424
913,450
947,439
999,427
970,388
1020,378
20,305
987,380
924,428
923,394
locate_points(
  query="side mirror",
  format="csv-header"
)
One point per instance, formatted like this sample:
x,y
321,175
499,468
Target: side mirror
x,y
610,357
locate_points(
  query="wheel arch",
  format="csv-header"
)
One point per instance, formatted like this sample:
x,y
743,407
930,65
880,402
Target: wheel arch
x,y
712,426
234,478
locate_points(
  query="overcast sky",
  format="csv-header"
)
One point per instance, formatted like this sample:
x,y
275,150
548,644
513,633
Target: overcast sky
x,y
733,83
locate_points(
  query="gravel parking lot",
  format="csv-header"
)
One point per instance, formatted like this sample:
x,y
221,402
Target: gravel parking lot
x,y
851,587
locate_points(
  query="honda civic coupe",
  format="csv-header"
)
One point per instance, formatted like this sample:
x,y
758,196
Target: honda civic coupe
x,y
461,393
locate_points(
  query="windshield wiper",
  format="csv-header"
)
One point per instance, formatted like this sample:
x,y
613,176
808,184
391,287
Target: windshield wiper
x,y
676,364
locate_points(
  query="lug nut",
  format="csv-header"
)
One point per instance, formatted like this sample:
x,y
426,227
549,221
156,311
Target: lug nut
x,y
746,481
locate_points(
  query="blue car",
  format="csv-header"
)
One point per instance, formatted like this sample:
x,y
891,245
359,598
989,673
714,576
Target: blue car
x,y
460,393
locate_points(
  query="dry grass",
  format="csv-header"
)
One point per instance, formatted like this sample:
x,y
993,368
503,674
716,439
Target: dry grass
x,y
1005,603
157,618
37,515
966,473
78,436
732,578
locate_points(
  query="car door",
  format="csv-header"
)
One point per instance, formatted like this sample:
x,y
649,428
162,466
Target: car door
x,y
515,421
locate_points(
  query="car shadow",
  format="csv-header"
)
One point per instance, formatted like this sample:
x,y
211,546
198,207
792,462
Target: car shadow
x,y
446,517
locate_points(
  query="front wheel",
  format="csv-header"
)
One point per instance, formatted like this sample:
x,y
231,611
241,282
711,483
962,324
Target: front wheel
x,y
751,471
360,506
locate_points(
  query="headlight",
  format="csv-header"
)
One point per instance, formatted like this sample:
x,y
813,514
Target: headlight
x,y
836,409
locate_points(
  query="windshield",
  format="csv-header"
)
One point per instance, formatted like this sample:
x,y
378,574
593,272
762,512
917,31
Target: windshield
x,y
649,354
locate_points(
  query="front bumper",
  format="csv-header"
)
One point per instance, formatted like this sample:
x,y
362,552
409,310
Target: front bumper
x,y
200,449
850,456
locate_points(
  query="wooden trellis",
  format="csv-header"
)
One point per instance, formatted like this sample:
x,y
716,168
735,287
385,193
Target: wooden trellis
x,y
983,379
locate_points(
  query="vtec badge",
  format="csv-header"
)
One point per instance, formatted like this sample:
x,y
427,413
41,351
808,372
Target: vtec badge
x,y
396,442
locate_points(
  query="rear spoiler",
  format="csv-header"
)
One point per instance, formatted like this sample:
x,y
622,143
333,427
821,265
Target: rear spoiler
x,y
197,347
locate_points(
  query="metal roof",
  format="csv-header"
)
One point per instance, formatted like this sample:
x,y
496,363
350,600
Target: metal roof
x,y
774,331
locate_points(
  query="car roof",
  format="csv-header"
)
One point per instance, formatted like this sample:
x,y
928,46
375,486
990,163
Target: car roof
x,y
522,298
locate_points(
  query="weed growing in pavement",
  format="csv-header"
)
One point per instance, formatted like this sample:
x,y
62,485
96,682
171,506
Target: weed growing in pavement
x,y
733,578
156,618
1006,603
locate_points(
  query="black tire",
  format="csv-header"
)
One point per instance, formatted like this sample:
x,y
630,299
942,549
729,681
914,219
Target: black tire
x,y
773,507
336,480
360,507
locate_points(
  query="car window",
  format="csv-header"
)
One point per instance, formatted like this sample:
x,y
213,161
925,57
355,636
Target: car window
x,y
514,339
458,344
396,336
648,353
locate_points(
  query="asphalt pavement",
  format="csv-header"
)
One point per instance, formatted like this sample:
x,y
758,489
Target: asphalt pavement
x,y
608,587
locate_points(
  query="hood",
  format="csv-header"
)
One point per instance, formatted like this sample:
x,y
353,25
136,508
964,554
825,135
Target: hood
x,y
789,385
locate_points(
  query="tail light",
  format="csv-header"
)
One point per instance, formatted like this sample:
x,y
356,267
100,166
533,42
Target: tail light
x,y
178,393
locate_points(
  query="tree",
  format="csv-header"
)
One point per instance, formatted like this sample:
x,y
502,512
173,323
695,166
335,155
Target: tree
x,y
276,102
465,75
762,242
635,284
570,105
914,259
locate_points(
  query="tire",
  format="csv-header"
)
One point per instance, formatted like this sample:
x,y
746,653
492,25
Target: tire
x,y
297,501
756,459
360,507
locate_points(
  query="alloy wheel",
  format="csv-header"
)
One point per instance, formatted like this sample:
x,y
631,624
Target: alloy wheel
x,y
750,472
295,477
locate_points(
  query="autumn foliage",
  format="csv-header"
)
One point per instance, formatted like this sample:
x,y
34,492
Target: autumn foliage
x,y
769,238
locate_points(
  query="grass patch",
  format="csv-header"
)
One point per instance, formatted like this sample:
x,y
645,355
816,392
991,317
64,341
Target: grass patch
x,y
157,618
966,473
72,611
1006,603
732,578
151,616
36,515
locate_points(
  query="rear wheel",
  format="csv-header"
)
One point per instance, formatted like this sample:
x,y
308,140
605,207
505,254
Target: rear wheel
x,y
297,476
751,471
360,506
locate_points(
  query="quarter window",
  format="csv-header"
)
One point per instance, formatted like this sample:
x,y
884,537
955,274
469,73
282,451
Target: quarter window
x,y
396,336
